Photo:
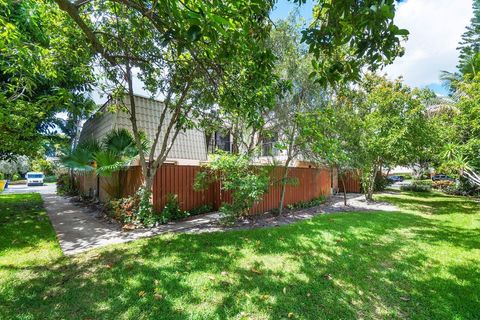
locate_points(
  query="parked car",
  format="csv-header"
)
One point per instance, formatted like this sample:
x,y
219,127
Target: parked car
x,y
442,177
394,179
34,178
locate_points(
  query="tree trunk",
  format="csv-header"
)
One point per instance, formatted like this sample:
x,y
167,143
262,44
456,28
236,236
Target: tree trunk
x,y
284,186
344,190
371,183
97,192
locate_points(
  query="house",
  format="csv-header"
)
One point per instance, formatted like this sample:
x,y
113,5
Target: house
x,y
189,148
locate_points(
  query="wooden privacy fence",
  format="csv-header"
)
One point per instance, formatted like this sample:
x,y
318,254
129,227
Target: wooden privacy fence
x,y
179,179
121,184
352,183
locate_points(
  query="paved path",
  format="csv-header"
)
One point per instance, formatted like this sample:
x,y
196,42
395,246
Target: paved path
x,y
79,230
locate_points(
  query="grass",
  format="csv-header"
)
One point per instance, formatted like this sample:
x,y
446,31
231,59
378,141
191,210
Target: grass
x,y
422,262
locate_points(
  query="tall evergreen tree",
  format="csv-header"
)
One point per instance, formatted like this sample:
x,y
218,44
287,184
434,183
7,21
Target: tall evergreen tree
x,y
469,47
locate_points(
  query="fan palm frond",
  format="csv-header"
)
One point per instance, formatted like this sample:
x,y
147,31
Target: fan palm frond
x,y
109,162
91,145
120,142
79,159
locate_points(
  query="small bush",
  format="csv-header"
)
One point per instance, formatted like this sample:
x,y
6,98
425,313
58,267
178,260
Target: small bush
x,y
124,209
462,188
171,210
135,209
381,183
246,183
406,175
49,179
442,185
66,186
205,208
307,204
417,186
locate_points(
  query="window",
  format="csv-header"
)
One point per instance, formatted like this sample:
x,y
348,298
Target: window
x,y
268,145
222,141
34,176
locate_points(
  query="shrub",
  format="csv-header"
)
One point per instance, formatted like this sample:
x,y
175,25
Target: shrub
x,y
462,188
308,204
171,210
138,210
125,209
247,184
442,185
49,179
66,185
205,208
417,186
135,209
406,175
381,183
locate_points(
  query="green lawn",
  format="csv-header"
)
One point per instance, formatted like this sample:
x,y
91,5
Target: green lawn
x,y
420,263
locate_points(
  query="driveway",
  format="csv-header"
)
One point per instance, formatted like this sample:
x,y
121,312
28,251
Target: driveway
x,y
48,188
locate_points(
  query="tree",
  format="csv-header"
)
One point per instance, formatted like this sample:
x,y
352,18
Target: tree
x,y
395,122
42,69
106,158
462,145
300,94
347,35
376,123
332,134
469,46
191,53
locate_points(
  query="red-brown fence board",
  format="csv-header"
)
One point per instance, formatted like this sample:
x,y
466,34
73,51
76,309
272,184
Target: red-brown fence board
x,y
352,183
174,179
179,179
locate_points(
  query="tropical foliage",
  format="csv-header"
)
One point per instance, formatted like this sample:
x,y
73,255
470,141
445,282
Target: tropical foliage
x,y
43,71
106,158
462,144
235,174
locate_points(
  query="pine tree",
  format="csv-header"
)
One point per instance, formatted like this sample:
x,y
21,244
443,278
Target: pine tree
x,y
469,47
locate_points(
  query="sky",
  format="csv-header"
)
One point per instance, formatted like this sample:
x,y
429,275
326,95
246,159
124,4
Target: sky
x,y
435,29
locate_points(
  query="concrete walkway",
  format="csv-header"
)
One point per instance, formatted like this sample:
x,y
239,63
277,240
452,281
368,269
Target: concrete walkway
x,y
78,230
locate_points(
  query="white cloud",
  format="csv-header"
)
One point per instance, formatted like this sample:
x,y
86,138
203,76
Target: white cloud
x,y
435,29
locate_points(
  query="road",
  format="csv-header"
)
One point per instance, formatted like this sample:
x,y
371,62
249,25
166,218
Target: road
x,y
48,188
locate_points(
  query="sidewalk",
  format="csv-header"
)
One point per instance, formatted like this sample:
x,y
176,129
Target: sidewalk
x,y
78,230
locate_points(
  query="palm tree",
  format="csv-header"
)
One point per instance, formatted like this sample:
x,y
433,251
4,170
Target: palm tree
x,y
116,151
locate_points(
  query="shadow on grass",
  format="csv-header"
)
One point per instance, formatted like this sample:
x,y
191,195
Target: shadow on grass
x,y
434,203
370,265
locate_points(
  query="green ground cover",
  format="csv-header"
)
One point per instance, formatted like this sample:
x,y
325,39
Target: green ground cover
x,y
422,262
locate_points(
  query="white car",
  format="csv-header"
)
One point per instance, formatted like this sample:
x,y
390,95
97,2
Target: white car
x,y
35,178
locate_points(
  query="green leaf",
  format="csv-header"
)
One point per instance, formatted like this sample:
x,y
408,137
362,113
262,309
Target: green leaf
x,y
194,33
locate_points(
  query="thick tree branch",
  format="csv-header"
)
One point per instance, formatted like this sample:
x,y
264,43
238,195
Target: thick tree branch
x,y
73,12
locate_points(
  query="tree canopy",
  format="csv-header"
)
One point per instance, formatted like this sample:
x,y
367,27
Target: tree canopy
x,y
42,72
